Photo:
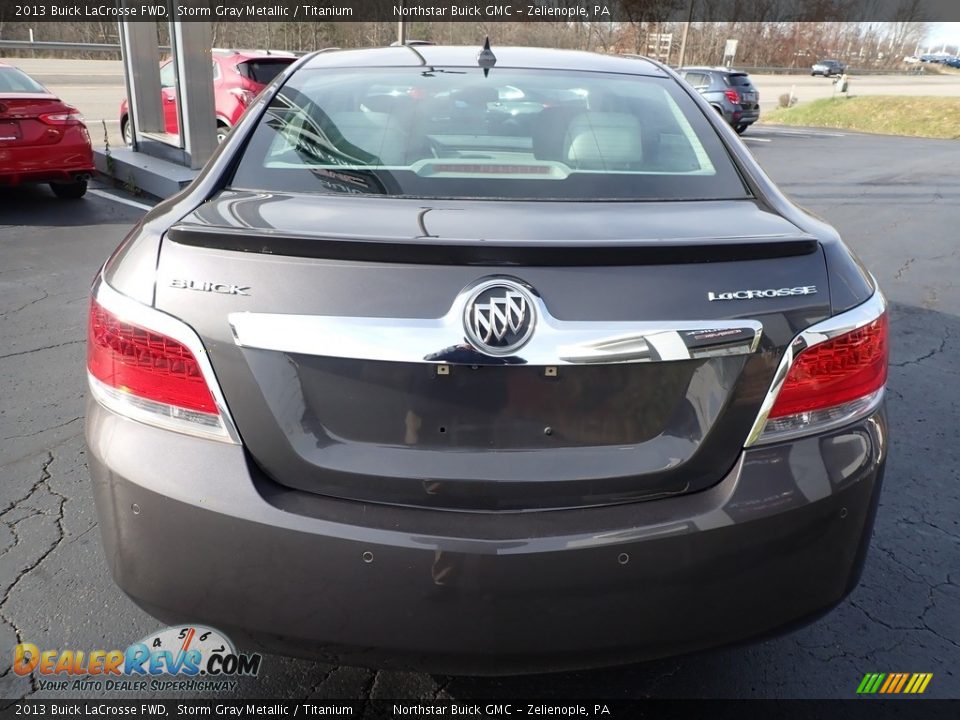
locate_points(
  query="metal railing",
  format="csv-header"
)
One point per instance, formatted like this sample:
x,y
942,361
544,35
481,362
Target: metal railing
x,y
44,46
806,70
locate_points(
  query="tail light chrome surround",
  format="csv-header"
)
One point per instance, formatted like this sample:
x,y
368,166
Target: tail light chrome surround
x,y
212,426
767,430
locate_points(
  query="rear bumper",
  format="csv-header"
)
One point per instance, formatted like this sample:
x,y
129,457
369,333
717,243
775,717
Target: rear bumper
x,y
65,161
745,116
193,532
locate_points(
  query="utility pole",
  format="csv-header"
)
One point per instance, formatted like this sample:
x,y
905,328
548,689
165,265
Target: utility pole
x,y
683,37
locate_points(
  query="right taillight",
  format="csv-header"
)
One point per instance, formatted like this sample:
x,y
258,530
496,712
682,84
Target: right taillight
x,y
834,373
150,367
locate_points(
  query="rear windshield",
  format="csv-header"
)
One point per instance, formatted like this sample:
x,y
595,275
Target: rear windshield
x,y
742,80
16,81
264,71
512,134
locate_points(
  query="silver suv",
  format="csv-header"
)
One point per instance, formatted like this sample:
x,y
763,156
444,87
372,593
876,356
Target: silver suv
x,y
730,92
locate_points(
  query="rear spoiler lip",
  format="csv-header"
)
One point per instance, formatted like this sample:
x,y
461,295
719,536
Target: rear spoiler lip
x,y
528,253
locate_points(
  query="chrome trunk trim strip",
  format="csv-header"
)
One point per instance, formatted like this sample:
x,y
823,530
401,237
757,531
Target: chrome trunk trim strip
x,y
444,341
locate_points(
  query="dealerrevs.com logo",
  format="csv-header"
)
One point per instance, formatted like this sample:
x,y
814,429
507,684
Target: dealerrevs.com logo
x,y
187,657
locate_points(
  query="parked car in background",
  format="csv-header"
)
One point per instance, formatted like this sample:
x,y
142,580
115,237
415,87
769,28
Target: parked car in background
x,y
404,379
828,68
937,58
730,92
42,138
238,77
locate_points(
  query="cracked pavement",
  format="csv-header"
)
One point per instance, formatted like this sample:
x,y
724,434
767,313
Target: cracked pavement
x,y
900,214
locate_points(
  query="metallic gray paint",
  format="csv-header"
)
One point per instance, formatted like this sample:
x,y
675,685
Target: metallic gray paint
x,y
466,56
778,539
761,538
297,413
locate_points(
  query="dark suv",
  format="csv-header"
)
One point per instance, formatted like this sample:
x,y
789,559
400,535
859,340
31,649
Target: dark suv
x,y
730,92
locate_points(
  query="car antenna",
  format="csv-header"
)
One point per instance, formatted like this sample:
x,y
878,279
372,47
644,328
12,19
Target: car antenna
x,y
485,58
420,57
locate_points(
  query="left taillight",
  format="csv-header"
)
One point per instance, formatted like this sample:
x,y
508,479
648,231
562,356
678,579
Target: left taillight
x,y
732,95
150,367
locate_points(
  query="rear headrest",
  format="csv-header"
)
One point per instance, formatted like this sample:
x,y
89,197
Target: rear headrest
x,y
477,95
603,141
390,104
374,133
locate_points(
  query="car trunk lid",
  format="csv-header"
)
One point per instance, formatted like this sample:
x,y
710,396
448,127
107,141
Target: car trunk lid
x,y
21,123
337,329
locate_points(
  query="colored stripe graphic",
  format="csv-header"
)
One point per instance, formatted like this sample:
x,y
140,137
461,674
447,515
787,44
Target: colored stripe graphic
x,y
894,683
919,683
872,681
903,680
862,688
892,679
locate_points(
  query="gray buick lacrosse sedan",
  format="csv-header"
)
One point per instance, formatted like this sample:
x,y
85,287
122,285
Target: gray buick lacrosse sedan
x,y
485,362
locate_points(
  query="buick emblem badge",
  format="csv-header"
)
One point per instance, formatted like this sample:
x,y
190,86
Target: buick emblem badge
x,y
499,317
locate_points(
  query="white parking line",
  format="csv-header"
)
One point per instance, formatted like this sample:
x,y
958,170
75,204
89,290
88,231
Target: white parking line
x,y
121,200
803,133
756,139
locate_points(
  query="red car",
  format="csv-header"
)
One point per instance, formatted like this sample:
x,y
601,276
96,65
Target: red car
x,y
42,139
238,77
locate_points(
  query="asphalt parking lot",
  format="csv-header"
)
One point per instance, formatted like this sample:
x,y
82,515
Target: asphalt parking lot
x,y
897,203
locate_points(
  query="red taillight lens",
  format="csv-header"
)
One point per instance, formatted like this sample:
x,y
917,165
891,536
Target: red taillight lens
x,y
732,95
69,116
839,370
144,363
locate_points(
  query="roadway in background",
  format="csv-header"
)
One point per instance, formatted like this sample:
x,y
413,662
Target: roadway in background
x,y
96,88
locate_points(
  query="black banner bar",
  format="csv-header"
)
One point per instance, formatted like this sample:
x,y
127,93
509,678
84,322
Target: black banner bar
x,y
503,709
628,11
